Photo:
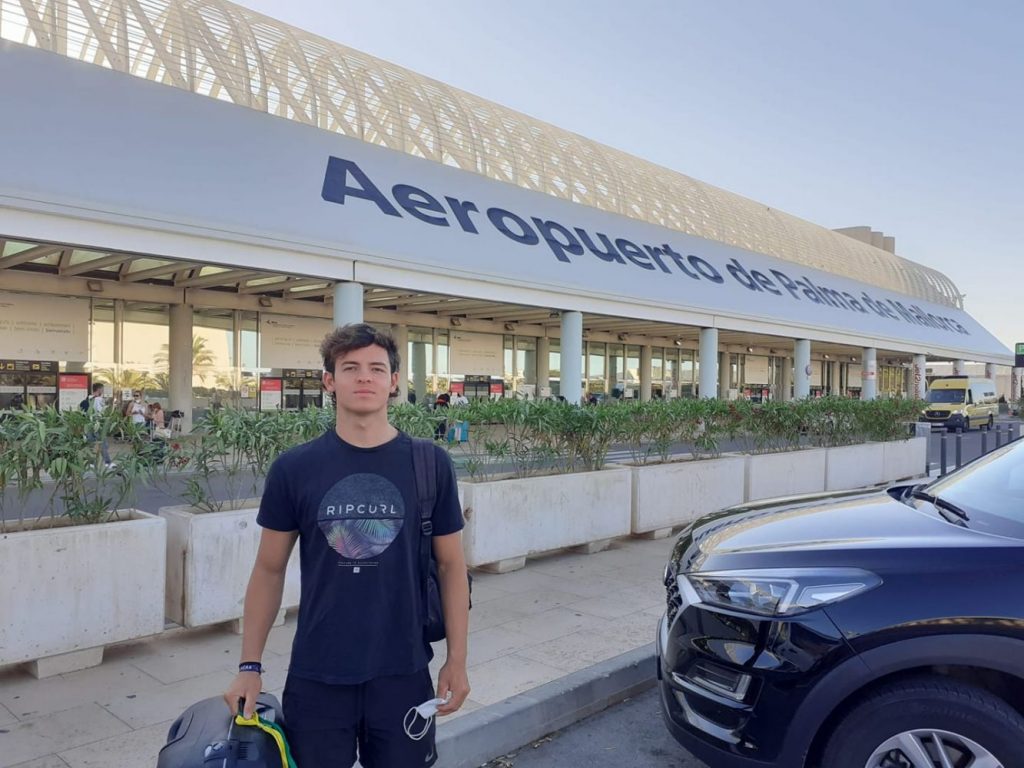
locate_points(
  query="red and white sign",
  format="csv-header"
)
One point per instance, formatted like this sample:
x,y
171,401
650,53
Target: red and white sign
x,y
270,394
73,389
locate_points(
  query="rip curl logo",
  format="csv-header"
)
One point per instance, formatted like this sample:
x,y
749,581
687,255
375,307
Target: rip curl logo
x,y
361,516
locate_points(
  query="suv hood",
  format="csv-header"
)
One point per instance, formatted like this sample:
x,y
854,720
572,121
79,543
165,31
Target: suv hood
x,y
738,536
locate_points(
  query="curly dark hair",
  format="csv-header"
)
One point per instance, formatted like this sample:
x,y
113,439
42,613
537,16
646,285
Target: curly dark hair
x,y
353,336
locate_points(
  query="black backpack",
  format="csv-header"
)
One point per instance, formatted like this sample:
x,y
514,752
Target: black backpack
x,y
84,405
424,463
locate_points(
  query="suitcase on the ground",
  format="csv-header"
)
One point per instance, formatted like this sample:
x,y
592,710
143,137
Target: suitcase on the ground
x,y
206,735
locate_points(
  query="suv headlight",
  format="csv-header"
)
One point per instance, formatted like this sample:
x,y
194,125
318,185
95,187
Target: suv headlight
x,y
777,591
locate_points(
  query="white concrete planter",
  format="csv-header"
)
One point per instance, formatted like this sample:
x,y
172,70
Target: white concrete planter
x,y
69,591
771,475
507,520
209,560
854,466
904,459
667,495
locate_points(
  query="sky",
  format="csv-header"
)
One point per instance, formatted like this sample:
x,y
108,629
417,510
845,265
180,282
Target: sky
x,y
904,116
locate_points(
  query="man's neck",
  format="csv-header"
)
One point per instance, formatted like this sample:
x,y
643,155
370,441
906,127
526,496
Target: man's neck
x,y
365,431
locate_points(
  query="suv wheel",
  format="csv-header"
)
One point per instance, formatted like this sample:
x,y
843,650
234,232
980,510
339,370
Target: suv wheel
x,y
928,723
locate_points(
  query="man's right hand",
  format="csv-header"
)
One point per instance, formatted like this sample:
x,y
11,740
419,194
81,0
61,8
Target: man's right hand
x,y
247,685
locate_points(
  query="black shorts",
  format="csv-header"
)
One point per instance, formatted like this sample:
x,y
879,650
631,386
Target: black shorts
x,y
327,723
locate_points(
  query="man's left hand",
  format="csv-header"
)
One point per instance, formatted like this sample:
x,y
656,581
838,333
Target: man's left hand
x,y
453,678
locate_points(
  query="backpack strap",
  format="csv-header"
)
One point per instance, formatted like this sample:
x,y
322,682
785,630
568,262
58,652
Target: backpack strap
x,y
424,465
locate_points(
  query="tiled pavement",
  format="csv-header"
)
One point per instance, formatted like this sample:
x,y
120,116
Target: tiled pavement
x,y
561,613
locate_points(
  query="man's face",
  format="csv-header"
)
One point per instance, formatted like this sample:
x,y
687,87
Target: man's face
x,y
362,380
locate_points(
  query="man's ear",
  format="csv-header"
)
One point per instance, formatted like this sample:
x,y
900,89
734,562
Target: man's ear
x,y
328,381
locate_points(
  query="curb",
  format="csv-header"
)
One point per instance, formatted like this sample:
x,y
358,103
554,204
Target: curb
x,y
495,730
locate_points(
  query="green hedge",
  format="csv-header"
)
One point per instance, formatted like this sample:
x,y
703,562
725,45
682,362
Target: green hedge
x,y
233,449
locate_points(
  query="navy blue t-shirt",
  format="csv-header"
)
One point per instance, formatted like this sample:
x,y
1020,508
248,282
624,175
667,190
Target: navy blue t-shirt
x,y
361,611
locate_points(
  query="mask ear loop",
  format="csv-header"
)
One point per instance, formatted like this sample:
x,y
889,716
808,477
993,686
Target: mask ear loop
x,y
410,721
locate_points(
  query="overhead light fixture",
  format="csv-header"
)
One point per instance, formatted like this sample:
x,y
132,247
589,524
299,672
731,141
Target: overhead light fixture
x,y
266,301
750,349
678,342
771,351
94,285
827,357
456,321
510,326
623,336
853,359
555,314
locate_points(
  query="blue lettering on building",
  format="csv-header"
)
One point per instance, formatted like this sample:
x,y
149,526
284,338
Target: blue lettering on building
x,y
345,180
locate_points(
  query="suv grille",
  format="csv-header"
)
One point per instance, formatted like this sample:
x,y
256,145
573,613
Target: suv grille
x,y
673,599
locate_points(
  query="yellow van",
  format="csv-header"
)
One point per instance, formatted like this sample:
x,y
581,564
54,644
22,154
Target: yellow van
x,y
961,402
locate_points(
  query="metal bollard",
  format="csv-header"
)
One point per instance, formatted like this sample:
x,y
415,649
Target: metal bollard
x,y
984,442
942,455
999,435
959,450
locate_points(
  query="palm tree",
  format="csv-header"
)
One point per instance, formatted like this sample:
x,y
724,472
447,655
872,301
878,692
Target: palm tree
x,y
126,378
202,358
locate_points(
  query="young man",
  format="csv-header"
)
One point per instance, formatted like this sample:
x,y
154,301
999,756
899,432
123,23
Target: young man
x,y
97,404
359,658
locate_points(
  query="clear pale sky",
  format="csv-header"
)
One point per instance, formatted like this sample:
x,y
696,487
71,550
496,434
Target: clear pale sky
x,y
905,116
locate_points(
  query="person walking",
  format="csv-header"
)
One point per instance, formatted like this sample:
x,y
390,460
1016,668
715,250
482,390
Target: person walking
x,y
97,405
359,658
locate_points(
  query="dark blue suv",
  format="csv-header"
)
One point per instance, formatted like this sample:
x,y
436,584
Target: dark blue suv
x,y
879,630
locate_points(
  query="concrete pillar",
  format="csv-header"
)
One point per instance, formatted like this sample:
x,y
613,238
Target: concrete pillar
x,y
119,333
724,376
543,365
869,385
571,387
709,362
419,370
918,377
1015,384
959,367
833,377
179,362
400,333
990,371
787,380
348,303
802,369
645,373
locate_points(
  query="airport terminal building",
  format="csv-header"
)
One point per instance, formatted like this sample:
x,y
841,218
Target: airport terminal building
x,y
192,194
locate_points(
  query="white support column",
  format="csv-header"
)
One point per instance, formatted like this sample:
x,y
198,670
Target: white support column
x,y
1015,384
869,385
348,303
179,362
724,375
918,377
833,377
990,371
802,369
419,371
645,373
236,356
571,369
543,366
787,380
119,334
400,333
959,367
709,363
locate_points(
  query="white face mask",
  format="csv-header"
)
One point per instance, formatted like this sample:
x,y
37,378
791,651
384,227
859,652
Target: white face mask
x,y
425,712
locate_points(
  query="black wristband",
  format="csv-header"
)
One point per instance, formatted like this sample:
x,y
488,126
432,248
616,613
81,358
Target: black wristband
x,y
251,666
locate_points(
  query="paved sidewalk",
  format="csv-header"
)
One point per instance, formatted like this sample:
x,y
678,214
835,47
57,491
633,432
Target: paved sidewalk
x,y
560,614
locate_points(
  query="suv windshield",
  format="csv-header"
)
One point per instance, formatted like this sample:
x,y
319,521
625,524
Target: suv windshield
x,y
946,395
990,489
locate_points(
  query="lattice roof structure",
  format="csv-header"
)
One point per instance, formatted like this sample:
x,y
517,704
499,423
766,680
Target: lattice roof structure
x,y
222,50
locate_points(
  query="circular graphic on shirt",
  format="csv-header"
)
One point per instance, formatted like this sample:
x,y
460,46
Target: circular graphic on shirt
x,y
361,516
